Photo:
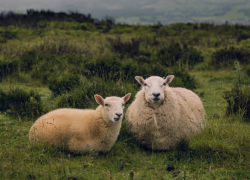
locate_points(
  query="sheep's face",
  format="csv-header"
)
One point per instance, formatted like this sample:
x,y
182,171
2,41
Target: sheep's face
x,y
154,87
112,107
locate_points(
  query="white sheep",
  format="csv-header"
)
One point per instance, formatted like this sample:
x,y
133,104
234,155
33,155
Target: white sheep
x,y
160,115
82,131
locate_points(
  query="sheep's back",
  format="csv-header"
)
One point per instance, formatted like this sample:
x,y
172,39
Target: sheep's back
x,y
191,110
58,126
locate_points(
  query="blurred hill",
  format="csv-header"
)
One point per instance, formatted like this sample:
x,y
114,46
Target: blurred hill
x,y
147,12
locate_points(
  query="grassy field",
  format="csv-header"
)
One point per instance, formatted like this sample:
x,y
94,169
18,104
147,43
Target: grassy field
x,y
95,58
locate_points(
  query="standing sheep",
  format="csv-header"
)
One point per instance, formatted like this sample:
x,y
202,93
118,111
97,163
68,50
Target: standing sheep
x,y
160,115
82,131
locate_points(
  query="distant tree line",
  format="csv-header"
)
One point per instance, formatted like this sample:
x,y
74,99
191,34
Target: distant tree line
x,y
32,17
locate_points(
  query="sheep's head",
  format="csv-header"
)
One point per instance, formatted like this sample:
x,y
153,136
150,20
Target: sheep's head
x,y
154,87
112,107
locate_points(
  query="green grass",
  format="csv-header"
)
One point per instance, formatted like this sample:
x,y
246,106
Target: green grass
x,y
221,151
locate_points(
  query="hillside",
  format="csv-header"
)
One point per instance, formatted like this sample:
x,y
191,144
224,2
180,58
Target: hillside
x,y
147,12
54,60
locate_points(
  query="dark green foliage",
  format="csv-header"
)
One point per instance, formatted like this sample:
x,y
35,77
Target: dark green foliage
x,y
248,71
131,48
182,78
63,84
6,35
33,17
238,100
21,104
227,56
175,54
170,55
44,64
104,67
83,96
8,68
243,37
47,56
113,69
27,60
191,56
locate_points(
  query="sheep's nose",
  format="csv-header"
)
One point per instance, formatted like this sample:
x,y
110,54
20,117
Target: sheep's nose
x,y
156,95
119,115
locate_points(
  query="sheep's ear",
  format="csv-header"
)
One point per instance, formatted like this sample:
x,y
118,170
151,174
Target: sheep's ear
x,y
140,80
126,97
99,99
169,79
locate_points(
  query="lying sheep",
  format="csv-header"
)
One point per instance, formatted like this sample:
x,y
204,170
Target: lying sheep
x,y
160,115
82,131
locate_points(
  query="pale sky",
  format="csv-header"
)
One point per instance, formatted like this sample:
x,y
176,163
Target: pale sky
x,y
84,6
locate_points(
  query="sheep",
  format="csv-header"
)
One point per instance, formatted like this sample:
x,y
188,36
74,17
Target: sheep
x,y
81,131
160,115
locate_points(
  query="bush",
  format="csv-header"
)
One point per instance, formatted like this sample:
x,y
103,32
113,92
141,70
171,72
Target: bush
x,y
227,56
182,78
104,67
64,84
8,68
131,48
114,69
175,54
83,96
238,100
6,35
27,60
243,37
20,103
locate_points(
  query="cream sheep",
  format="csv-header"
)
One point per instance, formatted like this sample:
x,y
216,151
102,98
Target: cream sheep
x,y
160,115
82,131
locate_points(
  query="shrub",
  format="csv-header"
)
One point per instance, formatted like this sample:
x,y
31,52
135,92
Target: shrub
x,y
227,56
191,56
104,67
243,37
43,65
64,84
6,35
170,55
20,103
8,68
238,100
27,60
83,96
132,48
113,69
175,54
182,78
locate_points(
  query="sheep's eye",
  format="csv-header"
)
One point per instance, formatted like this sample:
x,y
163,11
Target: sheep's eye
x,y
122,104
106,104
145,84
164,84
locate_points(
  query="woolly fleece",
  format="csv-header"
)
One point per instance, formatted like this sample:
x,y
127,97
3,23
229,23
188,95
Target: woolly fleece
x,y
79,131
179,116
